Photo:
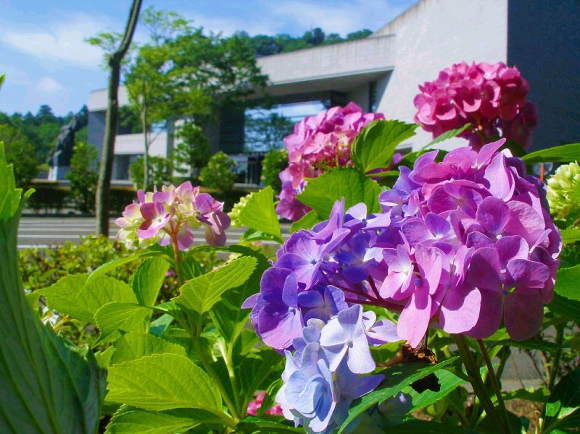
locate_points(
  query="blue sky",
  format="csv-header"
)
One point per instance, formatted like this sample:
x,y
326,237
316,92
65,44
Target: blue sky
x,y
46,61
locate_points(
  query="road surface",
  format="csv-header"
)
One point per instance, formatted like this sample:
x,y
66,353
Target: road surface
x,y
52,231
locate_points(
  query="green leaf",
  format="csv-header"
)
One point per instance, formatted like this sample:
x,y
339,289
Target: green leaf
x,y
448,382
446,136
565,307
306,222
396,379
562,409
162,382
257,425
128,420
425,427
256,371
121,318
259,213
570,235
63,296
135,345
529,394
349,184
375,145
254,235
119,262
46,386
555,154
567,282
201,293
148,280
227,315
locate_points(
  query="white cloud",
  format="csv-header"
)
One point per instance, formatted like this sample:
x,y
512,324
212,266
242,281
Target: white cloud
x,y
62,41
49,85
14,75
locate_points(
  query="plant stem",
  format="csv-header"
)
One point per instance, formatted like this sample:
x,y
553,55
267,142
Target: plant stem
x,y
495,383
177,257
556,363
209,369
475,379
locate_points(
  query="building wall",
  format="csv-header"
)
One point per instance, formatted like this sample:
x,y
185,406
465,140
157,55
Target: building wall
x,y
434,34
548,30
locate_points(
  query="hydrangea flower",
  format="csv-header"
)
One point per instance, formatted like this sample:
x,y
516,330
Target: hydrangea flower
x,y
491,97
465,244
318,143
169,216
563,193
256,404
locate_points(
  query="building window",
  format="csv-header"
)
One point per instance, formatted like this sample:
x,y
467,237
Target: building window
x,y
121,165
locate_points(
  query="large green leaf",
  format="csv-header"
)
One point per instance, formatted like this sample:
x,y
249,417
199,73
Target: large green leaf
x,y
562,409
201,293
349,184
446,136
375,145
63,296
227,315
80,297
46,387
259,213
148,280
556,154
162,382
567,282
570,235
128,420
396,379
135,345
121,318
448,382
565,307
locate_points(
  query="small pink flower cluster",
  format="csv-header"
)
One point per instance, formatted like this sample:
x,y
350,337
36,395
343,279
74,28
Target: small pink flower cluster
x,y
491,97
318,143
169,216
256,404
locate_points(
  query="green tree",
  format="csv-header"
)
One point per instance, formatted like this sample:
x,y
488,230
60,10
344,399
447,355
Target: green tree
x,y
219,173
267,131
20,153
192,152
83,176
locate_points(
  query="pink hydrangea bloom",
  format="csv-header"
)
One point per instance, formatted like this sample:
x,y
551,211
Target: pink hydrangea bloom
x,y
256,404
169,216
318,143
491,97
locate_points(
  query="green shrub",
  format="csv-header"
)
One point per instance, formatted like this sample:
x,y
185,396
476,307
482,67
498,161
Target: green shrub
x,y
43,267
274,162
219,173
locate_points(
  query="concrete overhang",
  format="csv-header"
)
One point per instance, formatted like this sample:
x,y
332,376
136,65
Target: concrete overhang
x,y
311,73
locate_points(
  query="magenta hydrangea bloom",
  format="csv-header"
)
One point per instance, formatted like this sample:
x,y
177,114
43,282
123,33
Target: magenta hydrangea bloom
x,y
318,143
169,216
491,97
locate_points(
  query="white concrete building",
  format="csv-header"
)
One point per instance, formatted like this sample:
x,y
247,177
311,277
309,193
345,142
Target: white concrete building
x,y
381,73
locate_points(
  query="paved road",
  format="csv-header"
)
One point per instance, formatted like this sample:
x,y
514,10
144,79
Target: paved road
x,y
52,231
